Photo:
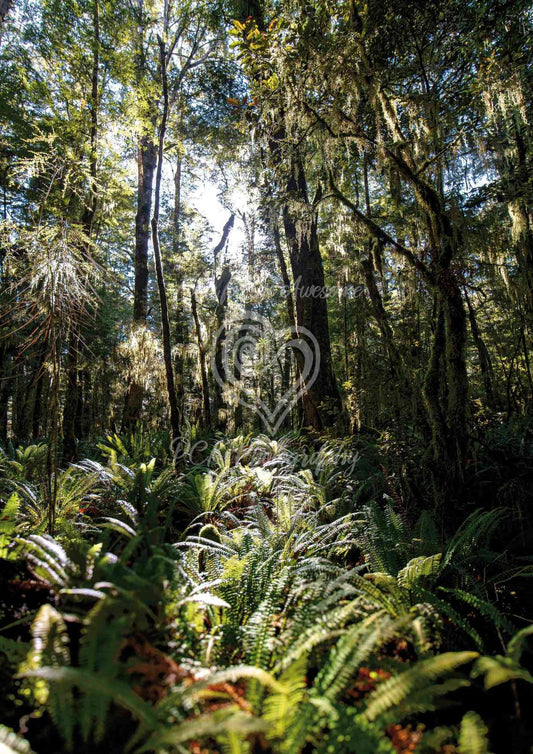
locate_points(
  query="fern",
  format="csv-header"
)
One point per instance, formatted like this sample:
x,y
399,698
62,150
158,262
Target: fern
x,y
50,647
473,735
281,709
397,690
349,733
420,570
500,669
218,725
8,523
65,679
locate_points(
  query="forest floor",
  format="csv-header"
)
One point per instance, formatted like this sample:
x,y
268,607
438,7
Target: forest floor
x,y
259,595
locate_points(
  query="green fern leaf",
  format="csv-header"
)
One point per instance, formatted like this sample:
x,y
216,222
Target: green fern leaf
x,y
397,689
473,735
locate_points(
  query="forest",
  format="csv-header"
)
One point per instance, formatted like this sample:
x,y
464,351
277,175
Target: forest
x,y
266,376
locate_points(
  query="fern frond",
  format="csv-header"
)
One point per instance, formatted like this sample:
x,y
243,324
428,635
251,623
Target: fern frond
x,y
396,690
281,709
515,646
421,569
473,735
115,691
215,725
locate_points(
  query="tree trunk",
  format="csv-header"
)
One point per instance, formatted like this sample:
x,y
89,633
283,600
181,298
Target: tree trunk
x,y
321,401
485,363
180,327
165,323
146,164
72,397
206,405
71,403
396,366
37,392
220,408
5,388
289,305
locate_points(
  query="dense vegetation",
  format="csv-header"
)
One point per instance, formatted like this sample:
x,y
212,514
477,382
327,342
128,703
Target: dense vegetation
x,y
266,430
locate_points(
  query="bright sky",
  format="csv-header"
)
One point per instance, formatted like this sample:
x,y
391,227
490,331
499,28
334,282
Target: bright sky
x,y
205,200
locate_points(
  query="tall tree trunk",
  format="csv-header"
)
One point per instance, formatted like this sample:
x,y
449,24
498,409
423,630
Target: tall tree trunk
x,y
521,214
146,165
287,287
87,409
165,322
321,400
38,395
220,408
72,398
433,386
5,388
368,265
180,327
485,363
206,404
291,319
71,401
396,366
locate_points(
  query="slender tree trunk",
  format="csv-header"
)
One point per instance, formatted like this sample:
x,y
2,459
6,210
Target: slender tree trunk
x,y
456,374
433,386
38,399
165,323
289,300
180,323
70,407
289,306
401,385
146,166
206,405
522,216
5,388
396,366
220,409
72,397
18,399
485,363
87,410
